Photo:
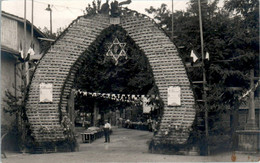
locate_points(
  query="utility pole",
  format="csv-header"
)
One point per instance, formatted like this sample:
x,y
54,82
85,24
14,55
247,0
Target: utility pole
x,y
24,78
49,9
172,19
24,36
204,81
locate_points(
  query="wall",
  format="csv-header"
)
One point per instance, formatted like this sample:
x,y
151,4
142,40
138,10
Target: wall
x,y
9,30
12,33
11,36
7,82
20,35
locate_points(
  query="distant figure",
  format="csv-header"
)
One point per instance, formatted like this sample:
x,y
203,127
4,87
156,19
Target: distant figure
x,y
105,8
120,122
107,128
149,122
115,12
127,123
154,127
125,2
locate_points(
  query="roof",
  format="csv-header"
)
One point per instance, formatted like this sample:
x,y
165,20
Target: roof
x,y
16,53
9,50
21,20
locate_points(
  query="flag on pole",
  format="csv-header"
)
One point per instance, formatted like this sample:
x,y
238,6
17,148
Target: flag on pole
x,y
193,55
31,51
207,55
21,50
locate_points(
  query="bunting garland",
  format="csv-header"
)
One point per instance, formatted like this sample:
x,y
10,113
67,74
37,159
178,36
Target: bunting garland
x,y
130,98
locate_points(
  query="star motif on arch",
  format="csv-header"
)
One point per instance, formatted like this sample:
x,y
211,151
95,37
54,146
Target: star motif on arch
x,y
116,50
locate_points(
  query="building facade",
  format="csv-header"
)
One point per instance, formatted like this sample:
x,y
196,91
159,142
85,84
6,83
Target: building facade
x,y
12,40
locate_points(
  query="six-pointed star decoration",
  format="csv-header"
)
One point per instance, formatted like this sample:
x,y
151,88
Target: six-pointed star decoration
x,y
116,50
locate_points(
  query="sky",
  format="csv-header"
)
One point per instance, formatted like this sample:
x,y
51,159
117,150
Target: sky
x,y
65,11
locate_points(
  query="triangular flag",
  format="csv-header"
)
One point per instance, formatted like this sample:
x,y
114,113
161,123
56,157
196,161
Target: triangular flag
x,y
193,55
207,55
21,50
31,51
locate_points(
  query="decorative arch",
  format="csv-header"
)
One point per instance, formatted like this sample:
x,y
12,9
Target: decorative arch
x,y
59,65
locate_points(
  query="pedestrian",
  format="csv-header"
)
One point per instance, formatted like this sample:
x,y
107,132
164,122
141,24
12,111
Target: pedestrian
x,y
149,122
154,126
107,129
127,122
120,122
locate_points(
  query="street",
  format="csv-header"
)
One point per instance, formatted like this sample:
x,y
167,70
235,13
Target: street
x,y
126,145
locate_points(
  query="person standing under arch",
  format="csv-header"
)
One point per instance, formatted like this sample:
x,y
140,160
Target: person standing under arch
x,y
107,129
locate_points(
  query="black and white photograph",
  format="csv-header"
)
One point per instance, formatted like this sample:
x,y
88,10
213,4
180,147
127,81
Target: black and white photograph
x,y
130,81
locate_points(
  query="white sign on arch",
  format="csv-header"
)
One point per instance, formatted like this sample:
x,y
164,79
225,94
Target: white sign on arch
x,y
46,92
174,96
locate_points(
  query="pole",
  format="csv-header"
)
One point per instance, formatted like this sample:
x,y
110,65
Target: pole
x,y
24,37
251,125
172,19
32,23
24,77
51,21
204,80
49,9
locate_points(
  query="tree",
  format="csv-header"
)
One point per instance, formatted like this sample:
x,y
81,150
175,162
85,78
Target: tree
x,y
16,105
45,45
247,18
231,41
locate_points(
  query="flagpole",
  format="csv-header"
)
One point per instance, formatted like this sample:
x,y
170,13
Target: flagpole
x,y
24,78
32,23
204,80
24,24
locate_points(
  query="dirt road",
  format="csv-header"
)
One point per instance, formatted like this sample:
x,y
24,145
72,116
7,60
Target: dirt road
x,y
126,145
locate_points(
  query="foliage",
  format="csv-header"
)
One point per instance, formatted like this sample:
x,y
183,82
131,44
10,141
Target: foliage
x,y
95,8
100,74
232,42
45,45
15,105
67,127
12,138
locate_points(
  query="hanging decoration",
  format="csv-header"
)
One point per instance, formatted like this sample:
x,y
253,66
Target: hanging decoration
x,y
129,98
194,56
207,56
116,50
